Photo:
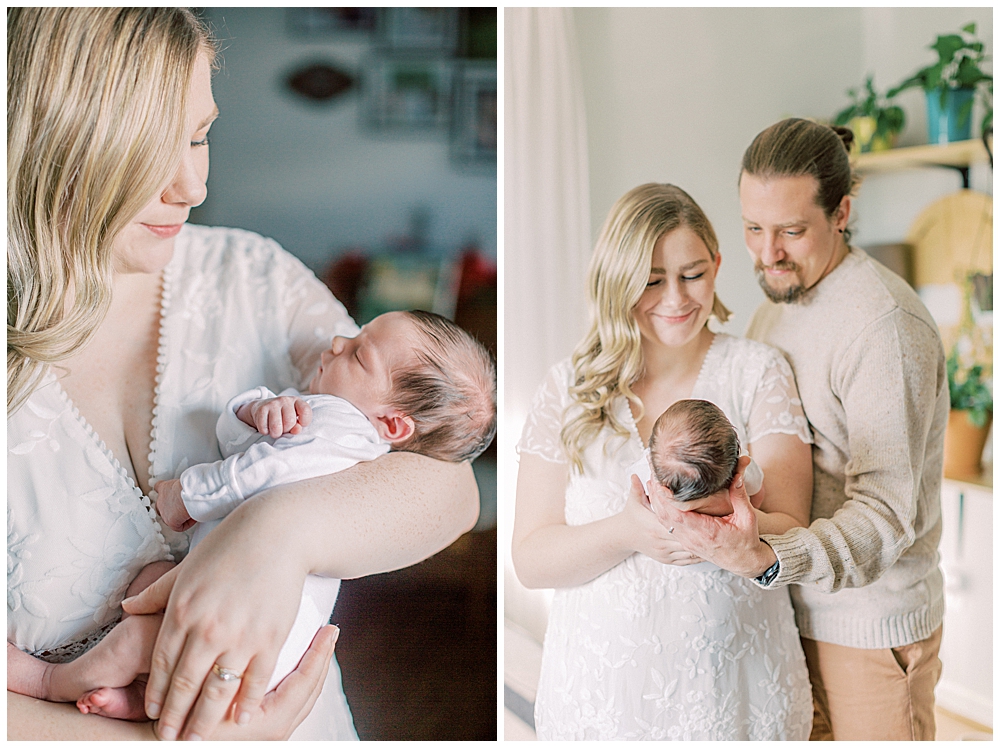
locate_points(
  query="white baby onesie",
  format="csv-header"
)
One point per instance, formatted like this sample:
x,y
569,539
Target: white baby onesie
x,y
338,437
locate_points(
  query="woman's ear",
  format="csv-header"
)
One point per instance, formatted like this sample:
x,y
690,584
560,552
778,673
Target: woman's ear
x,y
394,427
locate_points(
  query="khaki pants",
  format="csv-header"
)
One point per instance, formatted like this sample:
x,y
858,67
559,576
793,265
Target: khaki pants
x,y
873,694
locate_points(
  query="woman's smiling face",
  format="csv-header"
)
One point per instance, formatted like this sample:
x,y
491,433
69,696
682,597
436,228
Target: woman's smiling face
x,y
680,291
146,244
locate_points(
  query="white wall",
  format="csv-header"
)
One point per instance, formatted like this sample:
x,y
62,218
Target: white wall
x,y
314,177
677,94
896,44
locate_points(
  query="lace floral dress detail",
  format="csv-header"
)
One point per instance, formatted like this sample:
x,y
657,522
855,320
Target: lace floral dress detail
x,y
657,652
237,312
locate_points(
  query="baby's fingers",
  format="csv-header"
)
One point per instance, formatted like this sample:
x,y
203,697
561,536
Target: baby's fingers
x,y
304,412
286,418
261,419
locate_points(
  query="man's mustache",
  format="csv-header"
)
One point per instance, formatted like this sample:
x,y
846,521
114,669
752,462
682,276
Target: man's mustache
x,y
782,265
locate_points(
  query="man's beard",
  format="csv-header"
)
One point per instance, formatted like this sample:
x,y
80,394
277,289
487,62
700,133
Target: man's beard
x,y
788,295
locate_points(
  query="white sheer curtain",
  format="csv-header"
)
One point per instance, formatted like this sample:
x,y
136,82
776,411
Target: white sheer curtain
x,y
546,233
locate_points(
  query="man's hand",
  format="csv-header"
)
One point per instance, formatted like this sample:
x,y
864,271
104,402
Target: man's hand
x,y
276,416
170,507
729,542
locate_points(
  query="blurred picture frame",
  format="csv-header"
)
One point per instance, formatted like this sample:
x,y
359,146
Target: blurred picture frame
x,y
320,22
432,30
474,115
407,93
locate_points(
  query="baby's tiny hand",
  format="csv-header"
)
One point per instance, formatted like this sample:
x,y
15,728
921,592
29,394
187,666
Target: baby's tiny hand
x,y
280,415
170,506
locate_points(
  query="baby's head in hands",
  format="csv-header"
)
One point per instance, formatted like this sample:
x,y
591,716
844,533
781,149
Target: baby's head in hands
x,y
694,451
425,384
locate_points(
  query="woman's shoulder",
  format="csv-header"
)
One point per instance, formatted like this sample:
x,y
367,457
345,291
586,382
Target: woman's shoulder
x,y
562,370
748,355
559,377
209,249
552,393
746,365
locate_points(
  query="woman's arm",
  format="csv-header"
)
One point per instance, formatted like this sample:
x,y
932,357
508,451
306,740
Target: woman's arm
x,y
378,516
280,712
549,553
374,517
546,551
31,719
788,476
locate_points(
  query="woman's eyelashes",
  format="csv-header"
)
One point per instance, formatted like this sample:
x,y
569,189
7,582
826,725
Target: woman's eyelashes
x,y
196,143
687,278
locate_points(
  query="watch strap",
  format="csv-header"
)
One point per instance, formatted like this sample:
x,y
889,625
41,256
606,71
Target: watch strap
x,y
768,576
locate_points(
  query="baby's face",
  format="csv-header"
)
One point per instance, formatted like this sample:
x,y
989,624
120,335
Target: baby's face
x,y
360,369
717,505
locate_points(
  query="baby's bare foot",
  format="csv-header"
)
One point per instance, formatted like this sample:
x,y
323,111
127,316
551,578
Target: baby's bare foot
x,y
117,703
115,662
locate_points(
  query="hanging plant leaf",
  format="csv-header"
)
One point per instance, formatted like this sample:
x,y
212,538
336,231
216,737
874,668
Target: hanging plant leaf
x,y
319,82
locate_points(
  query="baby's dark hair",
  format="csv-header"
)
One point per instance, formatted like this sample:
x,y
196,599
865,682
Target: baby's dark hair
x,y
450,392
694,449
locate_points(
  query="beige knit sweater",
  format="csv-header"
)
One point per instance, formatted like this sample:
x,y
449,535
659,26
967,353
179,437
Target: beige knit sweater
x,y
870,369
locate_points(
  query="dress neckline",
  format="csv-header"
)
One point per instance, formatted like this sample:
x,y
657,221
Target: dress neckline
x,y
629,420
165,284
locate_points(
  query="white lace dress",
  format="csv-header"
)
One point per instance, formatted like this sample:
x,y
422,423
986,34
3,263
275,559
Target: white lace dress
x,y
237,312
656,652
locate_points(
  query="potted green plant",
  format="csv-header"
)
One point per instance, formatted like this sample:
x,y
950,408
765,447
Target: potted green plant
x,y
874,121
970,387
950,85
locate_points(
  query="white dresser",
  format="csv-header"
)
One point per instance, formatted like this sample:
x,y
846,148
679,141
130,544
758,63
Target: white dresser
x,y
966,686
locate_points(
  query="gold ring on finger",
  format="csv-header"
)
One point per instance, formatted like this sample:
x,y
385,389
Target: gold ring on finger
x,y
225,673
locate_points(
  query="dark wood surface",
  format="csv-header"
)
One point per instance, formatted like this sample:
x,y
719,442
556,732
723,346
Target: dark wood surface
x,y
418,647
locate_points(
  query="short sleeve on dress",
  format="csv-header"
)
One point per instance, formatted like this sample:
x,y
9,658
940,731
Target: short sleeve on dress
x,y
543,427
776,407
314,317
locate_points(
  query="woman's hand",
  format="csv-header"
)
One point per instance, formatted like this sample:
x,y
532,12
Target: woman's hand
x,y
647,534
215,613
283,709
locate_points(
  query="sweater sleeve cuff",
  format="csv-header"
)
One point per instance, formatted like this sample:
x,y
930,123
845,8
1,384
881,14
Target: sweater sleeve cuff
x,y
793,557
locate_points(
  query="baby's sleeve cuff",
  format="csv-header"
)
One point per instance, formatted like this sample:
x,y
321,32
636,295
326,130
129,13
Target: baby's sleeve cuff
x,y
207,490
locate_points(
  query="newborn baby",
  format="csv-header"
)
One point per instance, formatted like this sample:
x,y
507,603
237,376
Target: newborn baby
x,y
693,451
410,381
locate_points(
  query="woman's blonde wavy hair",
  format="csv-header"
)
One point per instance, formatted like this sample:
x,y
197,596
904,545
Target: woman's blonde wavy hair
x,y
95,127
608,361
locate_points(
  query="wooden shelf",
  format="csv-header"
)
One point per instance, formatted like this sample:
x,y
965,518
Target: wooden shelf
x,y
958,155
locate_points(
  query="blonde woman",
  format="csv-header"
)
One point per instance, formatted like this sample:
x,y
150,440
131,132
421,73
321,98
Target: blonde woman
x,y
127,331
643,641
